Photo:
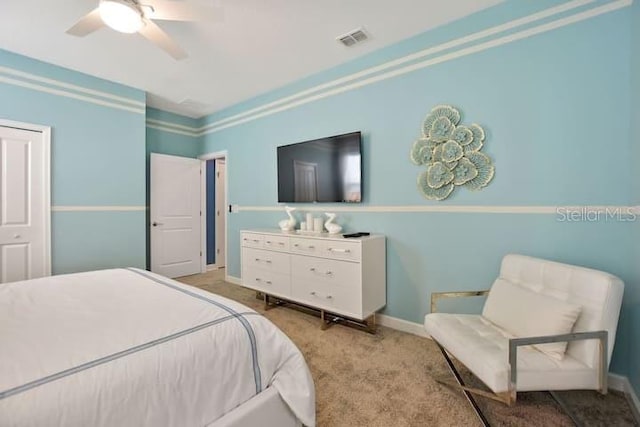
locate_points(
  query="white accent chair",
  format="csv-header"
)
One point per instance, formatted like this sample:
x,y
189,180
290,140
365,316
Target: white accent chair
x,y
506,362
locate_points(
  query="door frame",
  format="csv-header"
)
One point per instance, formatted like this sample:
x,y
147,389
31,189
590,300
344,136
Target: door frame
x,y
203,202
219,245
46,140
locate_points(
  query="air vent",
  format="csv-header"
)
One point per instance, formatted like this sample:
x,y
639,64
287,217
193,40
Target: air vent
x,y
356,36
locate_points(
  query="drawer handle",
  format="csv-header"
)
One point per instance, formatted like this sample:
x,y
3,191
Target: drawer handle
x,y
295,245
342,251
313,293
328,272
268,282
329,297
269,242
268,261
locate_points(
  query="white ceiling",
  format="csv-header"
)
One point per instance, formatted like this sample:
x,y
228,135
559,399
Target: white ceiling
x,y
260,45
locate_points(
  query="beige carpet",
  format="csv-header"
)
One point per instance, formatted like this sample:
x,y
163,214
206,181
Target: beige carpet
x,y
387,379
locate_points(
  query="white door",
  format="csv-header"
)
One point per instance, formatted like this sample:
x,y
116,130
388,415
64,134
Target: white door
x,y
305,181
175,215
221,203
25,210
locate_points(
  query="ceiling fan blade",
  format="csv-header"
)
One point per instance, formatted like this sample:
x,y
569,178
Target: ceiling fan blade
x,y
157,36
168,10
87,25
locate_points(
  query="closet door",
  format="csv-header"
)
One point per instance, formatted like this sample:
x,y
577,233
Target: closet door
x,y
24,210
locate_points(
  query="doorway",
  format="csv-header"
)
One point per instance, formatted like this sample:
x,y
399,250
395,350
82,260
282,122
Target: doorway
x,y
215,212
25,217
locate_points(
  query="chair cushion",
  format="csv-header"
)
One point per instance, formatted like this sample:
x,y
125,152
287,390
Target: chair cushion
x,y
483,348
598,293
525,313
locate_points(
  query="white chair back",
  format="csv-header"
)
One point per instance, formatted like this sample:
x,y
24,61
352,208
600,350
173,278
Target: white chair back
x,y
599,294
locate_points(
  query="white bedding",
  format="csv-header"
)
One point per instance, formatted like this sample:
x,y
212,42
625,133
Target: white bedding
x,y
127,347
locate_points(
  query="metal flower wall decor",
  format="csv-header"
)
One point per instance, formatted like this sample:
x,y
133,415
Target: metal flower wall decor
x,y
451,153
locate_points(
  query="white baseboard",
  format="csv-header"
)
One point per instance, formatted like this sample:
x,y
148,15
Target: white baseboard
x,y
621,383
617,382
401,325
212,267
233,279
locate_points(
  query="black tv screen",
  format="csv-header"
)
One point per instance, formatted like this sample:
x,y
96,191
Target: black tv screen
x,y
325,170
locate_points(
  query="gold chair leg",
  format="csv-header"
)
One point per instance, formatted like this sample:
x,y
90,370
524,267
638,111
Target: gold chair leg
x,y
504,397
461,383
564,408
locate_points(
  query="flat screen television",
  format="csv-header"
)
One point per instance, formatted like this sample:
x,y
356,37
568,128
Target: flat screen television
x,y
326,170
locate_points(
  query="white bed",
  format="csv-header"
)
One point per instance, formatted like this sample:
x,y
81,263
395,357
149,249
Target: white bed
x,y
126,347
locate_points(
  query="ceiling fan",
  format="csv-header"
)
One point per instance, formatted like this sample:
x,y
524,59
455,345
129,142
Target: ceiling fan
x,y
130,16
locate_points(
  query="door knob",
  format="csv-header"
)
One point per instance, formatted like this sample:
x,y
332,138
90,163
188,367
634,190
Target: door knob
x,y
16,236
155,224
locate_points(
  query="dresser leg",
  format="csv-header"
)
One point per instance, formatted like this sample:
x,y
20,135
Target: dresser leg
x,y
324,322
267,305
370,324
271,302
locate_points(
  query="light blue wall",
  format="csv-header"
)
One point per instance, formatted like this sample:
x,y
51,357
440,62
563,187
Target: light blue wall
x,y
97,159
634,303
540,100
171,142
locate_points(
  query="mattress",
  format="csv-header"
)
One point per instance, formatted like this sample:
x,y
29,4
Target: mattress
x,y
128,347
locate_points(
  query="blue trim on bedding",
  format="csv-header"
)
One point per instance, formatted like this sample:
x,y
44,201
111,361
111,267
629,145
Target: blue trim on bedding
x,y
247,326
114,356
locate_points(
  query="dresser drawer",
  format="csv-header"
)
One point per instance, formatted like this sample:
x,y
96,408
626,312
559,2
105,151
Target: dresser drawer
x,y
336,299
306,246
260,259
330,272
252,240
267,281
276,243
342,250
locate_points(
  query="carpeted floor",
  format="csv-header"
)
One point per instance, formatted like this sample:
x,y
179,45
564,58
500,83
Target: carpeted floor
x,y
387,379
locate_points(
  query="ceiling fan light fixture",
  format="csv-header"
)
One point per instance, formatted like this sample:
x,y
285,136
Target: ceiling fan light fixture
x,y
121,15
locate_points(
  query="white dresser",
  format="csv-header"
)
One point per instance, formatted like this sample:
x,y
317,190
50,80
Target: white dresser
x,y
341,276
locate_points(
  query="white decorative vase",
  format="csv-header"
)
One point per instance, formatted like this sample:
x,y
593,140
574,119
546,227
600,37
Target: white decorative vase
x,y
288,224
330,226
